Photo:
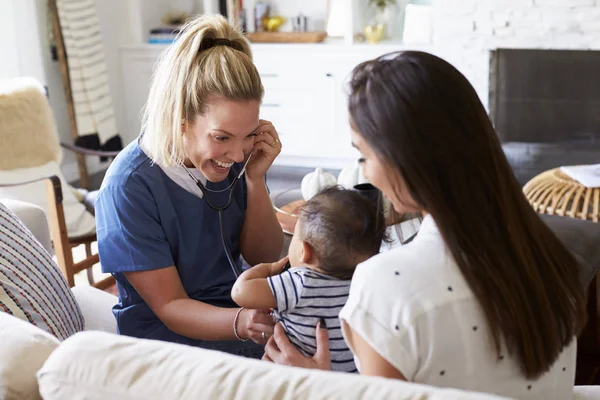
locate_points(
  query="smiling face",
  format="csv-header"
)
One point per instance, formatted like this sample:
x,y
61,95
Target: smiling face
x,y
384,177
223,135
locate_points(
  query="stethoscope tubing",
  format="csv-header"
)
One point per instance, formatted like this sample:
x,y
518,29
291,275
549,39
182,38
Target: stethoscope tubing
x,y
220,210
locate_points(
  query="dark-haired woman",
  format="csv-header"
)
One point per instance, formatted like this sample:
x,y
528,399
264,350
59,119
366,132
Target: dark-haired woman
x,y
485,298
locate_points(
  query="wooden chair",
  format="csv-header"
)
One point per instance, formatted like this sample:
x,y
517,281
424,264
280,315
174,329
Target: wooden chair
x,y
63,245
31,148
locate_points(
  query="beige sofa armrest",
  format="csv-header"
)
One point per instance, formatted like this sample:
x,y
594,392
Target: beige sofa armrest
x,y
586,393
97,365
34,218
96,307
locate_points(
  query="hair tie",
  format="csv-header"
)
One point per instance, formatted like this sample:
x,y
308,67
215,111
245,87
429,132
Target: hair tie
x,y
208,43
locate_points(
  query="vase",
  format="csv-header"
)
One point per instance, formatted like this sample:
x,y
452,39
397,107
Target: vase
x,y
374,33
384,17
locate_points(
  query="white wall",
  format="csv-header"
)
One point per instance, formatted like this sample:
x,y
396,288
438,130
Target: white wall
x,y
9,62
315,10
466,31
30,56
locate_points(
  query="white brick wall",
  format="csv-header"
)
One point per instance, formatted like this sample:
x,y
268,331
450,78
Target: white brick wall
x,y
467,31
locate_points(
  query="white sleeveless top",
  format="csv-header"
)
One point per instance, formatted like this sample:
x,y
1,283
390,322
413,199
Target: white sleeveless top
x,y
413,306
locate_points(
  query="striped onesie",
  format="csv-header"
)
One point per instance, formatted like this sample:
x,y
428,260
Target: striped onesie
x,y
303,297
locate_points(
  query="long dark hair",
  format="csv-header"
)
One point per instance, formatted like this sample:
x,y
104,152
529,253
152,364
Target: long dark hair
x,y
423,119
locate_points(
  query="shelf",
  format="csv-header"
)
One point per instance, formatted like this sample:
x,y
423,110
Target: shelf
x,y
286,37
328,44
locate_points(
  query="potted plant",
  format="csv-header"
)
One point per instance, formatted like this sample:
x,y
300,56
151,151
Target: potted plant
x,y
382,10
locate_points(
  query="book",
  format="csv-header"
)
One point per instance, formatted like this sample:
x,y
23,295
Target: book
x,y
163,35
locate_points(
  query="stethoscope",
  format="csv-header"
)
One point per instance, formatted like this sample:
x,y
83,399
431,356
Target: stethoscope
x,y
220,209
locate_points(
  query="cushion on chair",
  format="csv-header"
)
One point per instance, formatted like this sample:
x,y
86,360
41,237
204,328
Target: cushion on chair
x,y
32,287
78,220
28,136
98,365
24,349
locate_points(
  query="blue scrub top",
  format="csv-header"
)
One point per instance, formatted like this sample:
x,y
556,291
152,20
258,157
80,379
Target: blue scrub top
x,y
145,221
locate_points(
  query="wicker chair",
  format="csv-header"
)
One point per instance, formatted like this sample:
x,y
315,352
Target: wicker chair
x,y
553,192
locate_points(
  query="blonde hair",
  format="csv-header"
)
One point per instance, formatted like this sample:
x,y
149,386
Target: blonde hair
x,y
196,68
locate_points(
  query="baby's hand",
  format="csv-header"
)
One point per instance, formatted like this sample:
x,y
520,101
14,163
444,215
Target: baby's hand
x,y
277,267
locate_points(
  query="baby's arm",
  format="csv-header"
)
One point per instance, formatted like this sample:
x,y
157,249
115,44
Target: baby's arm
x,y
252,290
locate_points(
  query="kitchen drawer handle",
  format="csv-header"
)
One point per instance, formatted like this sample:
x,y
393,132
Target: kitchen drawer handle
x,y
269,75
272,105
329,74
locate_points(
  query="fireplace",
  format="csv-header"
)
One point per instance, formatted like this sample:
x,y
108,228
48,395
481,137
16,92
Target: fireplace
x,y
545,105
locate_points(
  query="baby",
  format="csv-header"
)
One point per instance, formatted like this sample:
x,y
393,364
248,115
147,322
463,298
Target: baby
x,y
336,230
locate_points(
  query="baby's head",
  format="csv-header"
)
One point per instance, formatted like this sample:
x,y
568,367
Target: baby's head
x,y
336,230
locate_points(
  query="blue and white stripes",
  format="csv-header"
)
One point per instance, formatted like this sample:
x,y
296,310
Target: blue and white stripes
x,y
305,296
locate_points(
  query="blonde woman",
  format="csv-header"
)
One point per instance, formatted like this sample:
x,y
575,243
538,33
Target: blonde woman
x,y
158,233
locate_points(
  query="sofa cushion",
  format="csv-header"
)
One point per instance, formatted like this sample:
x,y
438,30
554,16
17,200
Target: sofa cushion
x,y
582,238
98,365
32,287
96,306
23,350
34,218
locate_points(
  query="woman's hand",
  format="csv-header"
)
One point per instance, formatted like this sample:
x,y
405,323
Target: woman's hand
x,y
267,147
280,350
256,325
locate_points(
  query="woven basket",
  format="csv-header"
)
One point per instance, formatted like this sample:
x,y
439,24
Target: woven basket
x,y
553,192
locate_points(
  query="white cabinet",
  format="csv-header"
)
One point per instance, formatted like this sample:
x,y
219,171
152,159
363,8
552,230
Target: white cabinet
x,y
300,101
302,110
305,95
137,63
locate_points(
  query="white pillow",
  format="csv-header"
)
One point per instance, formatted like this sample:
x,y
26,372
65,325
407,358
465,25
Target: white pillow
x,y
97,365
78,220
24,349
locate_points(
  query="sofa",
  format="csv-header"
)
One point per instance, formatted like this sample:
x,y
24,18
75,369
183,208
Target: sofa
x,y
96,363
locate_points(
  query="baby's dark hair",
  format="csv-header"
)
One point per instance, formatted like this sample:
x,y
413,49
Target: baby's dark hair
x,y
343,227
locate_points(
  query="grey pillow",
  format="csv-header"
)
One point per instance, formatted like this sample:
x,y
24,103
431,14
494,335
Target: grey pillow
x,y
582,238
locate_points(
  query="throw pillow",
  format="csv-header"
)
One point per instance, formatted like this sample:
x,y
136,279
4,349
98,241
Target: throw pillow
x,y
24,350
32,287
78,220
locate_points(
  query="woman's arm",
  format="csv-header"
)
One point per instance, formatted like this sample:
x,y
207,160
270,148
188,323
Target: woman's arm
x,y
252,290
371,362
262,236
162,290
